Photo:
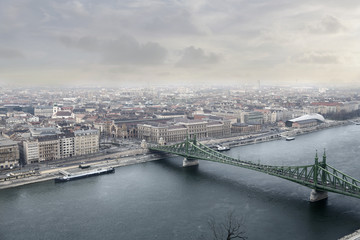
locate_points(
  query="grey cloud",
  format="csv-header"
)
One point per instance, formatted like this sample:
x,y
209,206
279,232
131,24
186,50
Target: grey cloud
x,y
193,57
10,53
123,50
83,43
327,25
126,50
316,57
170,21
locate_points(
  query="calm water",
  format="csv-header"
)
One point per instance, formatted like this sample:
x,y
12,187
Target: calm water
x,y
162,200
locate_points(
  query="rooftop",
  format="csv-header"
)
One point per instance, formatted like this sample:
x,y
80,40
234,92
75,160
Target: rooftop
x,y
309,117
6,142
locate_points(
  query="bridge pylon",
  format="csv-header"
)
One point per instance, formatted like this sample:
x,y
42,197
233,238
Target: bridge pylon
x,y
316,194
190,162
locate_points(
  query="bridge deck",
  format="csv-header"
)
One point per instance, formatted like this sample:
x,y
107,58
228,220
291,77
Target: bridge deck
x,y
319,176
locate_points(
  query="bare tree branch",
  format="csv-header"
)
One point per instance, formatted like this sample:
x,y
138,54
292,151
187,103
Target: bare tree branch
x,y
230,228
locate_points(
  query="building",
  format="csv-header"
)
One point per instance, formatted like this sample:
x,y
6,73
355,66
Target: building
x,y
176,133
43,111
44,131
152,132
9,153
325,107
171,115
63,115
67,145
49,148
217,129
86,142
124,130
178,130
305,121
58,146
253,118
31,151
244,128
195,128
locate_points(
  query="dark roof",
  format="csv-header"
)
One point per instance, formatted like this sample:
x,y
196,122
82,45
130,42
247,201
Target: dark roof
x,y
63,114
47,138
240,125
66,135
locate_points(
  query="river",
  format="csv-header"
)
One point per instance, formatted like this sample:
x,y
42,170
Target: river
x,y
162,200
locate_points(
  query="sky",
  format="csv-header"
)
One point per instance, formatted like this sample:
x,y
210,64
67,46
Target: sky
x,y
180,42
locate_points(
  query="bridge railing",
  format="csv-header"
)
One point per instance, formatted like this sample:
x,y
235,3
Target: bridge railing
x,y
318,176
331,177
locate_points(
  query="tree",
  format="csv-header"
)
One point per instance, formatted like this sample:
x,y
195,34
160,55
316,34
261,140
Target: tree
x,y
230,228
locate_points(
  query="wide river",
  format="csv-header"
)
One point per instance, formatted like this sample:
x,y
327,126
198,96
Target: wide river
x,y
162,200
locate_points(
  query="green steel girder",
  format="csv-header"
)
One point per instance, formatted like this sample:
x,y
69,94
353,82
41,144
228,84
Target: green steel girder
x,y
319,176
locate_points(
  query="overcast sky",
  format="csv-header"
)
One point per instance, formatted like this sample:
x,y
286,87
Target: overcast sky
x,y
180,42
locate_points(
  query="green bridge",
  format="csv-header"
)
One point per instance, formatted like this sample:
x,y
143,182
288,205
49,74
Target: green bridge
x,y
320,176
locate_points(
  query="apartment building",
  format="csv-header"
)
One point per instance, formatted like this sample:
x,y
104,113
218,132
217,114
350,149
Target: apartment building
x,y
9,153
44,111
86,142
64,145
49,148
67,145
31,151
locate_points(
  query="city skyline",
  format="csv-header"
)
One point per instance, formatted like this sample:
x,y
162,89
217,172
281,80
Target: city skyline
x,y
135,43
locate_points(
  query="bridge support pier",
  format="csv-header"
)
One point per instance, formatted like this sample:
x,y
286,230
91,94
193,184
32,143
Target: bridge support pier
x,y
189,163
317,195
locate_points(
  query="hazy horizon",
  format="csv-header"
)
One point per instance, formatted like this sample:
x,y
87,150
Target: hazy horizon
x,y
196,43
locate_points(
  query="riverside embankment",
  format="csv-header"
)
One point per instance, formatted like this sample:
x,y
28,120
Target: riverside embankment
x,y
272,135
107,160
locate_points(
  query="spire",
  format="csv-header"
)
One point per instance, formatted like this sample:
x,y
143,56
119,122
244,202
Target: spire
x,y
316,167
324,157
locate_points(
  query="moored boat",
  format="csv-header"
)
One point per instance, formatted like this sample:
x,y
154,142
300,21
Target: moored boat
x,y
85,174
290,138
222,148
82,166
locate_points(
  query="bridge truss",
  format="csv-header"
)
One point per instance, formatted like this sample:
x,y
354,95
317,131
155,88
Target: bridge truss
x,y
319,176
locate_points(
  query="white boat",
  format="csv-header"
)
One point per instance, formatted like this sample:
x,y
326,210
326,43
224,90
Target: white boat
x,y
95,172
222,148
289,138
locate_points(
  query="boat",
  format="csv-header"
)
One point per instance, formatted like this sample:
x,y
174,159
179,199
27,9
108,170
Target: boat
x,y
289,138
95,172
222,148
82,166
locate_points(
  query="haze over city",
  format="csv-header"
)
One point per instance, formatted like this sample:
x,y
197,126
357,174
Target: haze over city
x,y
132,43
